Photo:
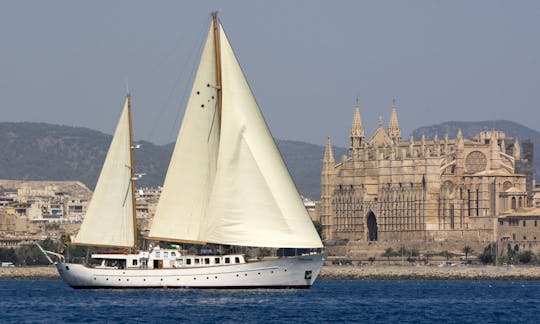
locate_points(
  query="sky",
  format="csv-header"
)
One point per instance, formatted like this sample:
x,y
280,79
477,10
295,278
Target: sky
x,y
308,62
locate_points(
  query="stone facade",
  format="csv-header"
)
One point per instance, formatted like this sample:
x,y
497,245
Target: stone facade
x,y
387,188
519,229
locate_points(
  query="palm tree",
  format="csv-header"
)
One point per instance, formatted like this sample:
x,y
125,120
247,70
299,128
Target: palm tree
x,y
446,254
467,249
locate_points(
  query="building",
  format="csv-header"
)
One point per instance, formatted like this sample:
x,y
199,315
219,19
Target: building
x,y
519,231
388,188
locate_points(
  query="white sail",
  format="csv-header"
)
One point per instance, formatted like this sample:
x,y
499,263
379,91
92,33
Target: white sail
x,y
192,168
254,200
109,217
248,198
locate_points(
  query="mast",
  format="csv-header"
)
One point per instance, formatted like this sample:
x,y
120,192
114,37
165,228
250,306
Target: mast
x,y
132,173
218,62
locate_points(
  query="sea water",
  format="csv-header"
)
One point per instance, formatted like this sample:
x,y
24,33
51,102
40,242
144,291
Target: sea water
x,y
369,301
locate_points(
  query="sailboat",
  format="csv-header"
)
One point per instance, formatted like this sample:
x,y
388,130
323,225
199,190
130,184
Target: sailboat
x,y
226,185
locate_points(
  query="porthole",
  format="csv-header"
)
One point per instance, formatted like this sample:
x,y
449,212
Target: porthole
x,y
285,270
245,274
259,273
198,92
202,106
207,278
95,279
119,279
215,277
161,279
194,278
107,279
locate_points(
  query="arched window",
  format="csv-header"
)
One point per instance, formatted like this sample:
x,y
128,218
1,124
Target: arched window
x,y
513,202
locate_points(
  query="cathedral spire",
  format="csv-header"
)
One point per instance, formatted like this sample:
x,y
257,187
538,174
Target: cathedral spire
x,y
357,128
517,150
357,131
394,131
328,153
459,140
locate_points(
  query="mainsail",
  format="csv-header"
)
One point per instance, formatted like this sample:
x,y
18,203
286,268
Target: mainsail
x,y
109,219
227,182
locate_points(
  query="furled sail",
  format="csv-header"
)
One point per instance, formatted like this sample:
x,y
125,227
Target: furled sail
x,y
238,189
109,219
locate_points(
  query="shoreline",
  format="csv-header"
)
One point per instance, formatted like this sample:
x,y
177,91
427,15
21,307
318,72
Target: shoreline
x,y
487,272
334,272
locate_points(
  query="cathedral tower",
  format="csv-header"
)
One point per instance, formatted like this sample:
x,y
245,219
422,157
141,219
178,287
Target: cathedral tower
x,y
394,131
357,133
326,190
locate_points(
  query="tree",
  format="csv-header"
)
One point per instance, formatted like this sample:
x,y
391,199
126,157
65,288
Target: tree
x,y
389,252
525,257
487,256
446,254
467,249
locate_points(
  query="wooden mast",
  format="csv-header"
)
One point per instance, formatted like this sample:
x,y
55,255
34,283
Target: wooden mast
x,y
217,51
132,174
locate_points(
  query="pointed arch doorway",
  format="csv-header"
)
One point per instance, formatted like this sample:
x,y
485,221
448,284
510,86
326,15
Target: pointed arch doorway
x,y
372,231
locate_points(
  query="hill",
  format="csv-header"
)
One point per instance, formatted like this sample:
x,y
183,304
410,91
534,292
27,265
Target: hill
x,y
40,151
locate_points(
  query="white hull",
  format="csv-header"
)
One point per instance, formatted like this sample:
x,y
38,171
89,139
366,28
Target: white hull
x,y
292,272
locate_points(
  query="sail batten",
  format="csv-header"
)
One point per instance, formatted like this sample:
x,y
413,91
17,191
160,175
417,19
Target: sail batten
x,y
109,219
245,196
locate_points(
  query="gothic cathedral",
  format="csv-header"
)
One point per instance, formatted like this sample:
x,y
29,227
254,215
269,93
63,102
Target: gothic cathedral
x,y
387,188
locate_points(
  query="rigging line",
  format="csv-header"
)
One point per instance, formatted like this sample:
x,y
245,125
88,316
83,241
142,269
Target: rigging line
x,y
127,194
196,49
184,98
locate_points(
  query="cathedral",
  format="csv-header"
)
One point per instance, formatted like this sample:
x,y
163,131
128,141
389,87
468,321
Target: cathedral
x,y
389,188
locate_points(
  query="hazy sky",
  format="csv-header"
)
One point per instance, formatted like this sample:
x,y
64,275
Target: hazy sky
x,y
67,62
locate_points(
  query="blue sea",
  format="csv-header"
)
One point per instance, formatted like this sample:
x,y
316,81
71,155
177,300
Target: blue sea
x,y
367,301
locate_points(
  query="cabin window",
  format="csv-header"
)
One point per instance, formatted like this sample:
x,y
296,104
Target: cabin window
x,y
188,261
173,253
217,260
165,254
134,262
236,260
158,254
206,260
227,260
197,261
